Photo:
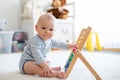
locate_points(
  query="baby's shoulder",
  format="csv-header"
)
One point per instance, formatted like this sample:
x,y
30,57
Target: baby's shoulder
x,y
35,40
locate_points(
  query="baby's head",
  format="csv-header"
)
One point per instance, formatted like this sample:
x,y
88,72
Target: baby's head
x,y
45,26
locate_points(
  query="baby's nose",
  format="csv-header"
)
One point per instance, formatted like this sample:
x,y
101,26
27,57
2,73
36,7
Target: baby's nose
x,y
47,31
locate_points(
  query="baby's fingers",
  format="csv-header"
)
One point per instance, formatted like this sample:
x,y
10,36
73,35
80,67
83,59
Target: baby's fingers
x,y
51,72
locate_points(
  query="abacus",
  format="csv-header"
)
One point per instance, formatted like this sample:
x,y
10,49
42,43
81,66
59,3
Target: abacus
x,y
76,53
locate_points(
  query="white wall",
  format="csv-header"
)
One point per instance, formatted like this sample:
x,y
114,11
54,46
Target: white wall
x,y
102,15
9,10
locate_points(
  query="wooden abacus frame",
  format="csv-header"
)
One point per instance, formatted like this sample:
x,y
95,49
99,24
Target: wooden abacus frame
x,y
77,54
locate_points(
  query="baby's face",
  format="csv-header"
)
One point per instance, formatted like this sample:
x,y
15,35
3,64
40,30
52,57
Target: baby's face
x,y
45,29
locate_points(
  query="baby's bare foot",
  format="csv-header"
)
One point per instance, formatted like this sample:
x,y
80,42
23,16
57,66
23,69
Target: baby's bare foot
x,y
61,75
56,68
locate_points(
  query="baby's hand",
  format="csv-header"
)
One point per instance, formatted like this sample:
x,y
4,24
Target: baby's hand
x,y
46,69
75,46
70,46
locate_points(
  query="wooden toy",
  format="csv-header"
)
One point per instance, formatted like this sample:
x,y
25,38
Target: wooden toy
x,y
76,53
111,49
89,42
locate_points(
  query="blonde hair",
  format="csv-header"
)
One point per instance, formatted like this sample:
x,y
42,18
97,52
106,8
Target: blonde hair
x,y
48,16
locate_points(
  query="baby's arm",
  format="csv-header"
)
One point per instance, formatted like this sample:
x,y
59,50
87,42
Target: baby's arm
x,y
70,46
46,69
63,45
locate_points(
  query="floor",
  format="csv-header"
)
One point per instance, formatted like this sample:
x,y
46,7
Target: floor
x,y
105,63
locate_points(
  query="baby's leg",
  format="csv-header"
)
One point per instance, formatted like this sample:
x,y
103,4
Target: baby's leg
x,y
48,63
31,68
60,75
56,68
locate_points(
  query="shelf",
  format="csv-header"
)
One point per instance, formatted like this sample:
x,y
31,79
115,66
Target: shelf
x,y
6,41
6,32
69,6
65,21
27,21
65,27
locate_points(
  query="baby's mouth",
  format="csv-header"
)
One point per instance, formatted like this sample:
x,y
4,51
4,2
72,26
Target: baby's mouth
x,y
46,35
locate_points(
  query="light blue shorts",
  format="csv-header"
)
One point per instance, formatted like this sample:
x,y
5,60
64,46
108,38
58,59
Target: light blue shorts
x,y
21,66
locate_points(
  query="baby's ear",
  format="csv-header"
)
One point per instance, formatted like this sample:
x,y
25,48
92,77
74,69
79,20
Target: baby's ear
x,y
36,27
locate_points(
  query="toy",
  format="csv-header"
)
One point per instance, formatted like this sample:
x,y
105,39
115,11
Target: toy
x,y
89,42
58,11
27,10
76,53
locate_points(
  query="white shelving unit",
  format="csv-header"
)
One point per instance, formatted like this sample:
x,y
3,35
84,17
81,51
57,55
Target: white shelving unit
x,y
64,31
27,19
6,41
65,28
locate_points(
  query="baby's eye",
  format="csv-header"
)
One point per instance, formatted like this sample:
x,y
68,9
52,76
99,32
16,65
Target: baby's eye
x,y
51,29
43,28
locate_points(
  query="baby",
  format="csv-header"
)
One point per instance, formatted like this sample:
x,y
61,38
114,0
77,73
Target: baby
x,y
32,60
